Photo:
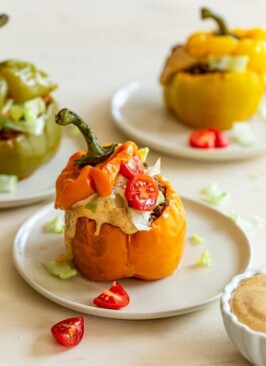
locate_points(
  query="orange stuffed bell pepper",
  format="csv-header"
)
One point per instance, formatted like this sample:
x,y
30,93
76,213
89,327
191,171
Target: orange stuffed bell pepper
x,y
216,78
123,219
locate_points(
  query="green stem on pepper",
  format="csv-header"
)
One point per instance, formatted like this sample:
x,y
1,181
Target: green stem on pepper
x,y
222,30
3,19
96,153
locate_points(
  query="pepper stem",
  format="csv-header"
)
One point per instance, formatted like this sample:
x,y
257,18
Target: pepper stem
x,y
3,19
96,153
222,30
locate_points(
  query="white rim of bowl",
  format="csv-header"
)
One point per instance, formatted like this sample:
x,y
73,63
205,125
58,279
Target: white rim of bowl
x,y
227,294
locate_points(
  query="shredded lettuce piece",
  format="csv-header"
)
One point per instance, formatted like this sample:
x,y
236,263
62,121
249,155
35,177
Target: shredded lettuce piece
x,y
262,111
6,107
257,175
155,169
32,127
57,225
16,112
140,219
258,222
27,117
33,108
228,63
8,183
255,222
62,270
160,198
204,260
243,134
143,153
213,194
196,239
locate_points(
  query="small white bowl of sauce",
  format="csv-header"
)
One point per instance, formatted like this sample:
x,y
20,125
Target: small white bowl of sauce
x,y
243,308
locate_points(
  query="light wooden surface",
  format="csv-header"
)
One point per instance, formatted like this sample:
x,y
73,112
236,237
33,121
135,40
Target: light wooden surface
x,y
90,47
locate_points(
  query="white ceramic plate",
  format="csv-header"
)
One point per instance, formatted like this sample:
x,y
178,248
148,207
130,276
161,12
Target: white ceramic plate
x,y
40,185
138,109
189,288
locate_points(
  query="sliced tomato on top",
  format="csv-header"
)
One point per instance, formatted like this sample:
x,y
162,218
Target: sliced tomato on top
x,y
142,192
114,298
208,138
132,167
69,332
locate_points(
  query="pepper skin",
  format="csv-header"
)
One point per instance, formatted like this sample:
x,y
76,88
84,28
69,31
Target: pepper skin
x,y
148,255
22,154
214,99
217,98
25,81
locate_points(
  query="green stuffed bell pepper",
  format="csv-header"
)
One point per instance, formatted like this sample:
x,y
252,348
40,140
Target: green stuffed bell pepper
x,y
28,134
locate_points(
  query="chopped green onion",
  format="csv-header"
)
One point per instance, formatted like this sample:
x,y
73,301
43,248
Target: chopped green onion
x,y
213,194
204,259
57,225
62,270
8,183
196,239
243,134
143,153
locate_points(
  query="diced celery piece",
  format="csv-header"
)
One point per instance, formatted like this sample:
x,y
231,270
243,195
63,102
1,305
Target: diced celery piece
x,y
8,183
62,270
57,225
33,108
204,259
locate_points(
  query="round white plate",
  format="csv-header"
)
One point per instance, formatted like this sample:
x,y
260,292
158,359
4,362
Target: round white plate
x,y
189,288
138,109
40,185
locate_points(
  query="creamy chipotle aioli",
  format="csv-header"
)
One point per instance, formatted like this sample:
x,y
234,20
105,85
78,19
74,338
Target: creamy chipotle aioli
x,y
248,302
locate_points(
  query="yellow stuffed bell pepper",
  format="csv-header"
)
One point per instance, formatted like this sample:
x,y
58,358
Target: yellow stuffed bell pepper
x,y
216,78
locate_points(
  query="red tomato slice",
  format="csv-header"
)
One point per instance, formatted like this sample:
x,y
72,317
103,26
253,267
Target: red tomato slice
x,y
132,167
69,332
142,192
208,138
114,298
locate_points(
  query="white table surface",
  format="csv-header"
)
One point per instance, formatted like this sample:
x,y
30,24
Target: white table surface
x,y
90,47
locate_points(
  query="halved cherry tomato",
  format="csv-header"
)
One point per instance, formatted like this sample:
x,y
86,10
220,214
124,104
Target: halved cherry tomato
x,y
208,138
142,192
69,332
221,139
132,167
114,298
